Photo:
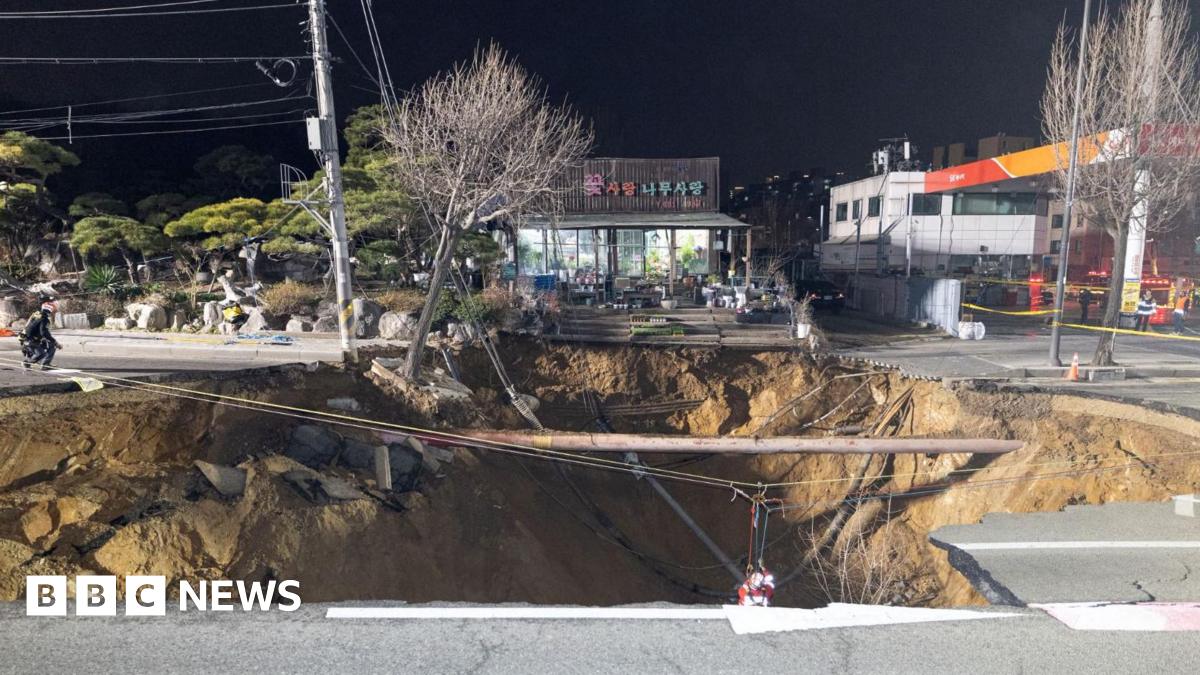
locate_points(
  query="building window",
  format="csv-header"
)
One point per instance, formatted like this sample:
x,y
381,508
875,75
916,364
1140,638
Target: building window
x,y
926,205
856,208
1056,246
1056,221
1075,246
873,207
995,204
840,213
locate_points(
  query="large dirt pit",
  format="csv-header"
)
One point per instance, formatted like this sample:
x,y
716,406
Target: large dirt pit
x,y
104,482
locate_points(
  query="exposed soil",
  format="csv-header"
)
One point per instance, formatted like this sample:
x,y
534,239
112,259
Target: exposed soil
x,y
104,482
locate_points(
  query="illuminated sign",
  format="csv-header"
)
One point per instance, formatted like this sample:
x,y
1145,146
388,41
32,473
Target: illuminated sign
x,y
594,185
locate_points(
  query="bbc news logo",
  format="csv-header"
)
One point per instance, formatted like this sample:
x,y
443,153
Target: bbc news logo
x,y
147,596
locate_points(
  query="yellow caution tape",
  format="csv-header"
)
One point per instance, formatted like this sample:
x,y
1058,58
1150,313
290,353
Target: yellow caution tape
x,y
88,383
1018,282
1128,331
1036,312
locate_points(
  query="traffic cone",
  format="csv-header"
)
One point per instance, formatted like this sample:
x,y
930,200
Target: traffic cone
x,y
1073,372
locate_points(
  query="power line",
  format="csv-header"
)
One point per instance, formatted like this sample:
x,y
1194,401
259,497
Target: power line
x,y
22,15
138,98
169,131
100,60
118,9
142,114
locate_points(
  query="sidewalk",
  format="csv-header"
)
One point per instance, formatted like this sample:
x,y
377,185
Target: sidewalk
x,y
306,347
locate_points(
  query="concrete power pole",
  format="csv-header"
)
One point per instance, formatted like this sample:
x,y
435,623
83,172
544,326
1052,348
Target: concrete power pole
x,y
331,161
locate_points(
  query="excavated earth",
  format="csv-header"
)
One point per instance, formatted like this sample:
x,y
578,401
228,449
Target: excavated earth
x,y
105,482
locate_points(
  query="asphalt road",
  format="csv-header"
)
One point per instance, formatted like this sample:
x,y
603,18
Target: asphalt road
x,y
306,642
1120,551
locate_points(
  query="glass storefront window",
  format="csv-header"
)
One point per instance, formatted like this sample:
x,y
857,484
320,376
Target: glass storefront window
x,y
531,251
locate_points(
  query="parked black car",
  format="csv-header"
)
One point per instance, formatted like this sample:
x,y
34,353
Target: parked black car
x,y
825,296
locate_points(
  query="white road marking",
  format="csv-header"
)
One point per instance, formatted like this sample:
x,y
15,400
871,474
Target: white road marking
x,y
531,613
1030,545
743,620
1144,616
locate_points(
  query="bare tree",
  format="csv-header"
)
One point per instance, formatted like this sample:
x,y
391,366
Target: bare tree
x,y
1139,115
479,144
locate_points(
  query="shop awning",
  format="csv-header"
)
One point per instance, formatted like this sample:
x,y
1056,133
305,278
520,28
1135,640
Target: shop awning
x,y
650,221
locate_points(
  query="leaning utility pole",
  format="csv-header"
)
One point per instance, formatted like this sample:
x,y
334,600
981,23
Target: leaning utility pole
x,y
328,154
1064,245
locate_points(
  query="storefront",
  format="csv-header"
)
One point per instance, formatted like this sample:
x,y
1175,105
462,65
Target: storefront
x,y
630,221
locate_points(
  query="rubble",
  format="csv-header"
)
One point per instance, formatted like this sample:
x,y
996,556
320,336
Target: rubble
x,y
229,481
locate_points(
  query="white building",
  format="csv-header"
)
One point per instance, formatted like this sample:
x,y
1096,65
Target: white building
x,y
997,229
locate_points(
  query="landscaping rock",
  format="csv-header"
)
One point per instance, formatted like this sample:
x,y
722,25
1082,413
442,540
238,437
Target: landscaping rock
x,y
228,480
118,323
147,316
257,322
212,315
313,445
366,317
178,321
397,325
295,325
9,311
80,321
325,324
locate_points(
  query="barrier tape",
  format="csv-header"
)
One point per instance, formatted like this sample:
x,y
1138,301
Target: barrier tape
x,y
1129,331
1034,312
1018,282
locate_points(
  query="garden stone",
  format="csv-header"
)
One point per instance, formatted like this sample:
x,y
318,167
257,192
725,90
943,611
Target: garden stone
x,y
366,317
295,325
118,323
79,321
397,325
212,314
256,322
325,324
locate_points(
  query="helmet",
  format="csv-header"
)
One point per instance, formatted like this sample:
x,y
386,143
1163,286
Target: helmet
x,y
49,305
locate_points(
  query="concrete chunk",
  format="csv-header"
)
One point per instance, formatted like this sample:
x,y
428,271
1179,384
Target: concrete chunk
x,y
228,480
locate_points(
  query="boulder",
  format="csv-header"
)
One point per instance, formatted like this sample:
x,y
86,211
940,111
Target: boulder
x,y
314,445
366,317
296,325
397,325
118,323
9,311
212,315
325,324
147,316
357,455
257,321
406,467
178,321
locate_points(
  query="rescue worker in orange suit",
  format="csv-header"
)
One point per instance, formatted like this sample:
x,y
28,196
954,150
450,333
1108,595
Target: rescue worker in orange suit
x,y
37,345
758,589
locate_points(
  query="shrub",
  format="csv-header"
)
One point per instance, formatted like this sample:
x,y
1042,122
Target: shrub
x,y
103,279
401,300
292,297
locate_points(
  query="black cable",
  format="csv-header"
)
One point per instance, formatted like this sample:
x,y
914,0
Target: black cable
x,y
137,98
118,15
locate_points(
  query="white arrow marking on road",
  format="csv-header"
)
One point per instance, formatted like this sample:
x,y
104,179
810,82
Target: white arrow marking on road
x,y
1018,545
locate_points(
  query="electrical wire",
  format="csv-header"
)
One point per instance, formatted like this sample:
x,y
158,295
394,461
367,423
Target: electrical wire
x,y
129,117
138,98
101,60
97,10
20,16
170,131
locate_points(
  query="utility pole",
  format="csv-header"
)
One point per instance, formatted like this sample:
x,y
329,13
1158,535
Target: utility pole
x,y
1065,240
331,161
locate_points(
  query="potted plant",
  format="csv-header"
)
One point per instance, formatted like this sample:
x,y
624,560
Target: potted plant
x,y
802,317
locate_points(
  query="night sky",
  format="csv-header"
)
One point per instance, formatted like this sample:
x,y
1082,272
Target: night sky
x,y
767,86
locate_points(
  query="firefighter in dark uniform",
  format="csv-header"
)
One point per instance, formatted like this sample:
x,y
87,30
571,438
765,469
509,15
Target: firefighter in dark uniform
x,y
37,344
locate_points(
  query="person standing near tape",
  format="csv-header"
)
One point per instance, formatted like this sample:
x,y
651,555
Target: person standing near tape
x,y
1085,301
1146,308
1181,303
